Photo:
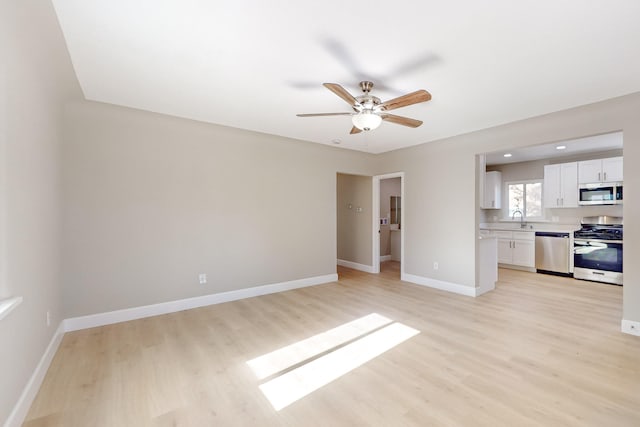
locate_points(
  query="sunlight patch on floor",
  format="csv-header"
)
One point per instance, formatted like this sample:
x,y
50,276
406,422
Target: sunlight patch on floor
x,y
286,357
300,382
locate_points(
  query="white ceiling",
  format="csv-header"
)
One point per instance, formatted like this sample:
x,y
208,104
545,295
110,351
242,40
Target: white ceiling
x,y
255,64
572,147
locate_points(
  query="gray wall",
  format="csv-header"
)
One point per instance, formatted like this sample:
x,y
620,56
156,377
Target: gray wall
x,y
438,200
151,201
441,194
36,78
354,228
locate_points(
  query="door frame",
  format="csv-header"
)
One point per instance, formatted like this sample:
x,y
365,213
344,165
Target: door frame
x,y
376,220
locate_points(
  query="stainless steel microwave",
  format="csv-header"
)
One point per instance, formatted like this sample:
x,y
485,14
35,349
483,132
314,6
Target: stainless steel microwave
x,y
601,193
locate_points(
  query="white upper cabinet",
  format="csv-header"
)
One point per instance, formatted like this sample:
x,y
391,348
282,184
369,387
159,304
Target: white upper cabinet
x,y
561,185
492,190
600,170
612,169
569,172
552,184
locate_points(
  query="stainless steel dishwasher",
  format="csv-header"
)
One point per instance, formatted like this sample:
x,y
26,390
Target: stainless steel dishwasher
x,y
552,252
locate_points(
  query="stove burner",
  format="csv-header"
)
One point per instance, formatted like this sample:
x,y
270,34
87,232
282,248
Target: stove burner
x,y
599,232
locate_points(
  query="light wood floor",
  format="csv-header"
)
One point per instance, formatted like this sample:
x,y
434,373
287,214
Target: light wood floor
x,y
539,350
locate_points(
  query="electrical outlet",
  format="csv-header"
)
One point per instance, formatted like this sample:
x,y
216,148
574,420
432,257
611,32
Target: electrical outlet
x,y
435,265
48,318
202,277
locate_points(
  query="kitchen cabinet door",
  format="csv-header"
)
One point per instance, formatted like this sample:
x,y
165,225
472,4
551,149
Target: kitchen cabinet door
x,y
612,169
569,185
552,183
561,185
492,190
524,253
590,171
504,251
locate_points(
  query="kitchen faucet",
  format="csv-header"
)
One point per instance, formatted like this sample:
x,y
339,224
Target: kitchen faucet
x,y
513,217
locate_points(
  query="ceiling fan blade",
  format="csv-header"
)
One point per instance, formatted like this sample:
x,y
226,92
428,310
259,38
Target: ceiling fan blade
x,y
341,53
355,130
405,100
323,114
400,120
342,93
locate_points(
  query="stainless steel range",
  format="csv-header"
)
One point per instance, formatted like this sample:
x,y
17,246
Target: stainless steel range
x,y
597,250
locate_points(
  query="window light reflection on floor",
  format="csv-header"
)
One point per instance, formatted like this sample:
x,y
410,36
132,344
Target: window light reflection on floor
x,y
286,357
300,382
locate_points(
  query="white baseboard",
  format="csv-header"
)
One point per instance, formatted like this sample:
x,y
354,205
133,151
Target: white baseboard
x,y
101,319
483,289
20,410
384,258
356,266
439,284
631,327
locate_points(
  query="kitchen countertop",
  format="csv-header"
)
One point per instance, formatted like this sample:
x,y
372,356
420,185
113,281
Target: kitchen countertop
x,y
533,226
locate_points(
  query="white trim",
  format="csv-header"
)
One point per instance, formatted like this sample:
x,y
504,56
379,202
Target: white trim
x,y
356,266
376,220
631,327
100,319
487,265
479,291
7,305
20,410
384,258
439,284
375,231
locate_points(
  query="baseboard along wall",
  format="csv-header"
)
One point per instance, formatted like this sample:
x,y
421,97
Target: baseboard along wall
x,y
20,410
356,266
630,327
439,284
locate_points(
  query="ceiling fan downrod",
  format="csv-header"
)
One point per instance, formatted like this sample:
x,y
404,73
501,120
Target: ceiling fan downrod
x,y
366,86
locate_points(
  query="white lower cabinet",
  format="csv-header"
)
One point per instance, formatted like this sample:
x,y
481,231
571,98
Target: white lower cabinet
x,y
516,248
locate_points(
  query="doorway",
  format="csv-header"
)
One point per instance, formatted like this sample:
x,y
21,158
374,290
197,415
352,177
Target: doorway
x,y
388,224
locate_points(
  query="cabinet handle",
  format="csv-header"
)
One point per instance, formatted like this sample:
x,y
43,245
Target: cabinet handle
x,y
605,176
557,202
514,245
493,203
599,177
562,201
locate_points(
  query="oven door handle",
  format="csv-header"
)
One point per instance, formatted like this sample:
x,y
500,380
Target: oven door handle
x,y
597,241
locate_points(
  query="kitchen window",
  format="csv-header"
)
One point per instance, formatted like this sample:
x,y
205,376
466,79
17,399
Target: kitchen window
x,y
524,197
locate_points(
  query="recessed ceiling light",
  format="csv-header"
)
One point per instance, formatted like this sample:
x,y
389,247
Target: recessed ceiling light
x,y
507,154
561,147
336,141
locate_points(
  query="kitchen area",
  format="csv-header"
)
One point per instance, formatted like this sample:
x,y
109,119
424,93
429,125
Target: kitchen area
x,y
556,208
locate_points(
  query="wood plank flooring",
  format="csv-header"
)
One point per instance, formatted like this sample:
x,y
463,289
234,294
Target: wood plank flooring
x,y
537,351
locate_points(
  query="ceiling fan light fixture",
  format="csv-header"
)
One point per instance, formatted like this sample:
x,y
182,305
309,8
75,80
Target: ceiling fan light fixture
x,y
366,120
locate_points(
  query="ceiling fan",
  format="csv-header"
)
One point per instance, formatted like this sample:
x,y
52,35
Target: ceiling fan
x,y
369,111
